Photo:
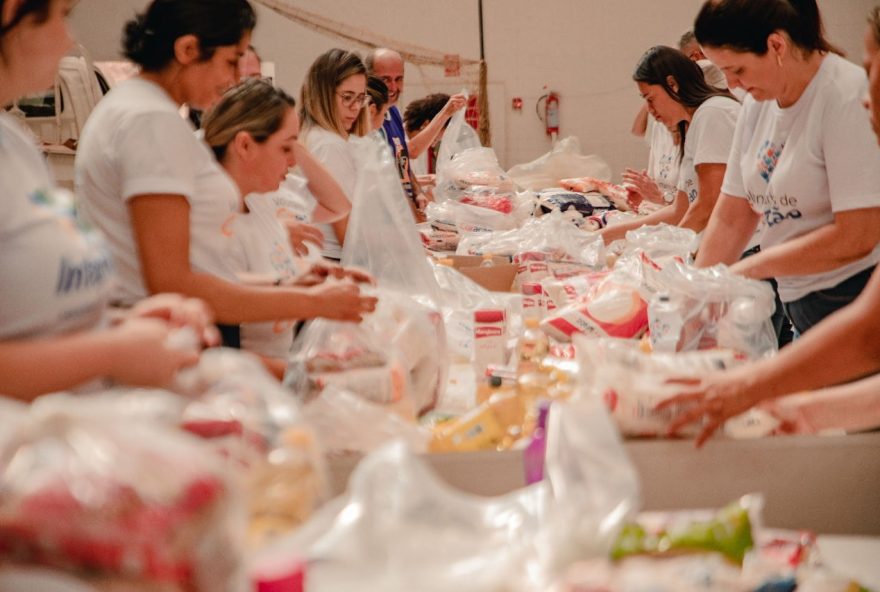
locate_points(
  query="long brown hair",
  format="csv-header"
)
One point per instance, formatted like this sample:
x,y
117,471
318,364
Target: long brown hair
x,y
318,94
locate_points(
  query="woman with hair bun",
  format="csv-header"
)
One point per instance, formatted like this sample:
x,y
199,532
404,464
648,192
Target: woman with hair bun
x,y
803,158
156,190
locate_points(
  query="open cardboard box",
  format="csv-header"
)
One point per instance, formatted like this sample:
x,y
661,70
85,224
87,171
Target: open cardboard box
x,y
497,278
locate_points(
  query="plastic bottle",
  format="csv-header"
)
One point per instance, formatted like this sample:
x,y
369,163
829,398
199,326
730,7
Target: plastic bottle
x,y
531,348
533,304
664,322
534,453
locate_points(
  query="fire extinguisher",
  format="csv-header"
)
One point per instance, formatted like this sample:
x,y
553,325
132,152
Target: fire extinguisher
x,y
551,113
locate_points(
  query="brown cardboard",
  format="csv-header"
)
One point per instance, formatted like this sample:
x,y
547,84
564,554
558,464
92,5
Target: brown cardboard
x,y
496,278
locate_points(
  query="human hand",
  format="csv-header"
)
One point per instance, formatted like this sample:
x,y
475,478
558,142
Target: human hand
x,y
144,353
343,301
422,201
326,269
179,311
640,186
301,233
711,399
455,103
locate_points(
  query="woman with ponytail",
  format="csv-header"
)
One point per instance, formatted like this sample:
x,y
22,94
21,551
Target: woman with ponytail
x,y
804,161
678,97
157,191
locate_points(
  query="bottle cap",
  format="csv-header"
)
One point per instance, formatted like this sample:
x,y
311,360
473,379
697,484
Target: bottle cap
x,y
532,323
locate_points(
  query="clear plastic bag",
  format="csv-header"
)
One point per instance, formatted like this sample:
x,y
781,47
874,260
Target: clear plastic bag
x,y
551,234
662,241
114,497
457,137
474,167
564,161
395,357
400,528
382,237
349,423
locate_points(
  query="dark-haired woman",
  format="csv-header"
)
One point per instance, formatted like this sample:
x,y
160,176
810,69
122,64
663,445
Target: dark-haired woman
x,y
54,332
156,190
678,97
803,158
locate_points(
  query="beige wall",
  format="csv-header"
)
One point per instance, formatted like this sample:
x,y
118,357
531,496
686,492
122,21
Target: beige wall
x,y
583,49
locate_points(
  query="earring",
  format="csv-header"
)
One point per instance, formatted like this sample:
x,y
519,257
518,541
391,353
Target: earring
x,y
778,60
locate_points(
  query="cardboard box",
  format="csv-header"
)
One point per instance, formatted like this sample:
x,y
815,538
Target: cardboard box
x,y
497,278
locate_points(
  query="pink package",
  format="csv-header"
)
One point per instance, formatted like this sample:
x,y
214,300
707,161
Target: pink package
x,y
612,310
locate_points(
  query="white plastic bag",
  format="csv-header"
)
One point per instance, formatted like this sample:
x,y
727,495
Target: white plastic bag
x,y
399,528
457,137
564,161
662,240
474,167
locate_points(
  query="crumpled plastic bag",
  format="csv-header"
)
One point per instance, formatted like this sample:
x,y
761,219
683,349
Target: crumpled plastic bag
x,y
662,240
117,498
564,161
394,357
457,137
551,234
399,528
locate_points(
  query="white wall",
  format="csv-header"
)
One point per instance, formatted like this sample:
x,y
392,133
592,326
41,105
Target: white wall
x,y
583,49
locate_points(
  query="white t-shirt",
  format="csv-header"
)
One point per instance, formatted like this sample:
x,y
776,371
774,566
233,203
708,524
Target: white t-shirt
x,y
334,152
56,271
798,166
663,163
135,143
259,244
707,141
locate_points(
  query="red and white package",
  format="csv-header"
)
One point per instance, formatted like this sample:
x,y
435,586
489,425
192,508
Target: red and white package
x,y
612,310
563,292
490,339
493,201
535,266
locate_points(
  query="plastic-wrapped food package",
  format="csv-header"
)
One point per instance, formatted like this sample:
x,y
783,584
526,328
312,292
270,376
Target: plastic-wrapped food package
x,y
564,161
611,309
382,237
395,357
474,167
349,423
632,383
719,308
461,296
114,498
400,528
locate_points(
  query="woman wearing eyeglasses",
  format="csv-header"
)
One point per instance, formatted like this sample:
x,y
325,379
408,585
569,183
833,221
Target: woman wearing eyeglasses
x,y
332,101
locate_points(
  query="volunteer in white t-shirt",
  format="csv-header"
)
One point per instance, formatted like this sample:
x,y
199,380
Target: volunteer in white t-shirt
x,y
678,96
56,271
803,158
253,131
841,348
156,190
332,100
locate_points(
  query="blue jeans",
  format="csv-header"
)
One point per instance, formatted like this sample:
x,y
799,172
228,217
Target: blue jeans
x,y
815,306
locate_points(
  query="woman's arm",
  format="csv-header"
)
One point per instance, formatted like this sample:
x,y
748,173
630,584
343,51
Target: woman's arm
x,y
332,201
135,353
851,407
710,177
730,228
670,214
640,123
842,347
420,142
851,236
161,231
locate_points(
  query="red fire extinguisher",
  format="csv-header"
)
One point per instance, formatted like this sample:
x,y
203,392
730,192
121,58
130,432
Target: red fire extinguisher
x,y
551,113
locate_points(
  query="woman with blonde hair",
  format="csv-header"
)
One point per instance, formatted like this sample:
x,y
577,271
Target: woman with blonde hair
x,y
253,131
332,100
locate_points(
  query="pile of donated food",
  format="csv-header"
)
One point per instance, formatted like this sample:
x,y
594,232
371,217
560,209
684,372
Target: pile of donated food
x,y
221,482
